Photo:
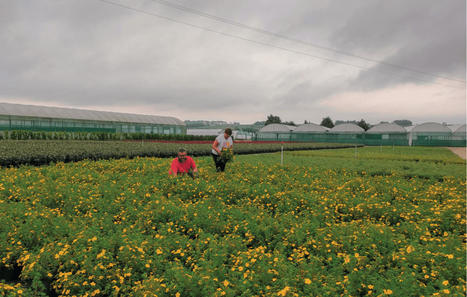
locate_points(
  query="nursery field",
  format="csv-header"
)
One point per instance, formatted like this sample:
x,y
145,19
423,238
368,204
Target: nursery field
x,y
42,152
377,221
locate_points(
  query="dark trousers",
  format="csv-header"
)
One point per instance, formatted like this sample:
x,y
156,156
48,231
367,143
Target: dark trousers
x,y
220,164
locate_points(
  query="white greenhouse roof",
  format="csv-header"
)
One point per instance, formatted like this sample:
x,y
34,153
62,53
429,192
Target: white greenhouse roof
x,y
275,128
83,114
460,129
431,127
310,128
204,132
347,128
454,128
386,128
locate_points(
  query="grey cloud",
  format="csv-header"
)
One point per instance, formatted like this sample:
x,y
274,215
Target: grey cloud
x,y
87,52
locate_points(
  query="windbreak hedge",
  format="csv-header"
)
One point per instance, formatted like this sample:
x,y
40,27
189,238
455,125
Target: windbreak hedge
x,y
36,152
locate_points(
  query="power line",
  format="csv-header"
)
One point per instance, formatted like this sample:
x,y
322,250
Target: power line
x,y
262,43
278,35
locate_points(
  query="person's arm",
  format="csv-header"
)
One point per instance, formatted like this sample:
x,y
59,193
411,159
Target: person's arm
x,y
173,169
215,145
193,166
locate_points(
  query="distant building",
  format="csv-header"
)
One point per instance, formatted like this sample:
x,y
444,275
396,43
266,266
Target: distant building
x,y
45,118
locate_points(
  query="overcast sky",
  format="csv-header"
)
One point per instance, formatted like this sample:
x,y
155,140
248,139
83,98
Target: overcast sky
x,y
95,55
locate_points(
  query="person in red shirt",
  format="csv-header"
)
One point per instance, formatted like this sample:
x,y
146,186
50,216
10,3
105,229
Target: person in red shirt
x,y
183,164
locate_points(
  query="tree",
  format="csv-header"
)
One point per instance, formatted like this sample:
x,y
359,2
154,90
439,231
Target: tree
x,y
327,122
272,119
403,123
363,124
291,123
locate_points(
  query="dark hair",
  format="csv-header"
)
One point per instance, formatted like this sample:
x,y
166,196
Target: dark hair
x,y
182,150
228,131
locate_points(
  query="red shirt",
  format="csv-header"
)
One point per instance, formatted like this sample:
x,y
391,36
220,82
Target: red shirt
x,y
184,167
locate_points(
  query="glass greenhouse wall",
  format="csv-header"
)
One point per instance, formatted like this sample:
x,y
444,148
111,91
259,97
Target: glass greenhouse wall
x,y
47,118
436,139
71,125
402,139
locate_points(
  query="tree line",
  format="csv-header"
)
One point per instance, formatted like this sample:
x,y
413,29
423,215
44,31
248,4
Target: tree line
x,y
329,123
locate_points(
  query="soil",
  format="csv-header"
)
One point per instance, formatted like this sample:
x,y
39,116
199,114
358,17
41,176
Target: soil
x,y
460,151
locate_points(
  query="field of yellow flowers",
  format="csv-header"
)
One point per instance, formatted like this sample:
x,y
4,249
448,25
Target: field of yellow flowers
x,y
379,221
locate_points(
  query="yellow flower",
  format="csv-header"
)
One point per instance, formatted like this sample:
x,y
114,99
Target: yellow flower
x,y
283,292
410,249
226,283
307,281
177,294
346,259
387,291
446,282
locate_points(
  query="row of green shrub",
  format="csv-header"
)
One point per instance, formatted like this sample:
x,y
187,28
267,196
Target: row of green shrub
x,y
44,135
40,152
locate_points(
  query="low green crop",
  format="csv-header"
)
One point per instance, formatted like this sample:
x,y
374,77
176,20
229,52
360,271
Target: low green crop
x,y
38,152
330,225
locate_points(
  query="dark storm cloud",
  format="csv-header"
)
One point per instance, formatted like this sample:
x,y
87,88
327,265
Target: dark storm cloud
x,y
84,53
427,36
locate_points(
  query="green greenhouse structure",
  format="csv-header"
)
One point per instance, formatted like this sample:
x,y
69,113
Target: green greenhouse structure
x,y
46,118
433,134
386,134
310,132
347,133
426,134
275,132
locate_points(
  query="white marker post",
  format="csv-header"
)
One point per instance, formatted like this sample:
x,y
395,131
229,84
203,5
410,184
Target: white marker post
x,y
282,154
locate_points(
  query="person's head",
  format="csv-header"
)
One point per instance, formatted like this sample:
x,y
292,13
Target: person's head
x,y
227,133
181,155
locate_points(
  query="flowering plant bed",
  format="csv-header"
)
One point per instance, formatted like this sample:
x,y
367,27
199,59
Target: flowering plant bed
x,y
324,224
40,152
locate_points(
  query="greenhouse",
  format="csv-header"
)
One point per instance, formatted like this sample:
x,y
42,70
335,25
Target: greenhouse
x,y
386,134
459,136
45,118
310,132
430,134
347,133
278,132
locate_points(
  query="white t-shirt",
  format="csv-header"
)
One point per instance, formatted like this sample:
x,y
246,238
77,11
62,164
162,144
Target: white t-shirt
x,y
222,143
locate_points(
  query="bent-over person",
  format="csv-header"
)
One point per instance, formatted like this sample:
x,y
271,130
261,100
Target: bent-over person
x,y
223,141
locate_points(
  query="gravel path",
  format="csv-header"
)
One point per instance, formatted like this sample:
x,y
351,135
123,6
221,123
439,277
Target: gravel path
x,y
460,151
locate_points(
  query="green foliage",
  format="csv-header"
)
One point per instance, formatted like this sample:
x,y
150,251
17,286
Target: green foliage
x,y
227,155
325,224
327,122
41,135
272,119
364,125
403,123
36,152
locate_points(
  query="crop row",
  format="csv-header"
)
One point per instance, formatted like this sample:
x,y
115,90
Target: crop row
x,y
35,152
61,135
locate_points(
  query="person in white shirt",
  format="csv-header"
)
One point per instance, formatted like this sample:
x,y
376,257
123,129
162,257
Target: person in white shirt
x,y
222,141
